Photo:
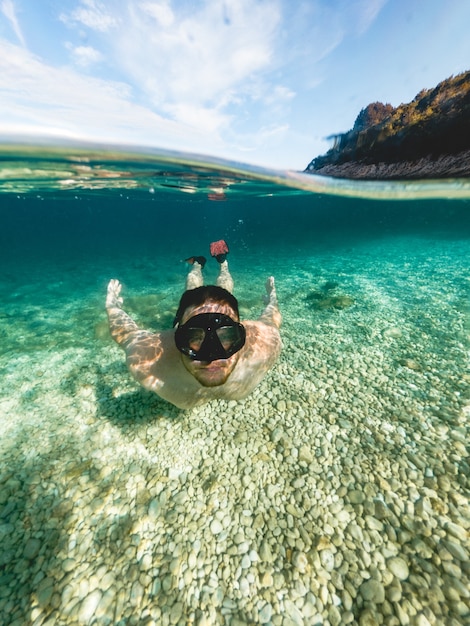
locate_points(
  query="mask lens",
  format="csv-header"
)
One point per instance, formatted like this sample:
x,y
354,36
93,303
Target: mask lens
x,y
228,336
195,338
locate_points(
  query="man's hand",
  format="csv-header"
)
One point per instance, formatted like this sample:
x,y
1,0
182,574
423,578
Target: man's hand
x,y
270,291
113,297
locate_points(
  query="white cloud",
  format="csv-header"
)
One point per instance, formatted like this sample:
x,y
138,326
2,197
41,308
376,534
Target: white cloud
x,y
47,99
160,11
85,56
205,119
8,10
197,62
187,60
92,14
366,13
200,59
267,134
280,94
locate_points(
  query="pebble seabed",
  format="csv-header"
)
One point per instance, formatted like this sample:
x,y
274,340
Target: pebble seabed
x,y
337,493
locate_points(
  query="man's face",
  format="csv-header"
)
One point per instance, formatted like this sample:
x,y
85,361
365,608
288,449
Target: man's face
x,y
214,373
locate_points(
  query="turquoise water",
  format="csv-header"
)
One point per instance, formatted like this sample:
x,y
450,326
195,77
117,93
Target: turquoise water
x,y
336,493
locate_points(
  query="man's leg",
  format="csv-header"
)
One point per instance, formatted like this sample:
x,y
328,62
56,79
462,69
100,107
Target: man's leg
x,y
224,278
219,250
194,278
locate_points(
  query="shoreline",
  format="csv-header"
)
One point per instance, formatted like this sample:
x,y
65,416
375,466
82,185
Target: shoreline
x,y
442,167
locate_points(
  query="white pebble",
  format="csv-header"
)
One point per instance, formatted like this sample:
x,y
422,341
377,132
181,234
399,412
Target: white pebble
x,y
300,562
216,527
398,567
327,559
246,562
88,606
372,591
265,613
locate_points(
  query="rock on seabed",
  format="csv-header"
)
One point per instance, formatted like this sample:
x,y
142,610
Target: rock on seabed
x,y
398,567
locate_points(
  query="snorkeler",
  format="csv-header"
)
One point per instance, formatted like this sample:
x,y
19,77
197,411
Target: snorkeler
x,y
209,354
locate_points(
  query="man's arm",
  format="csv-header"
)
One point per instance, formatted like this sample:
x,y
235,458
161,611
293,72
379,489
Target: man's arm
x,y
122,326
271,314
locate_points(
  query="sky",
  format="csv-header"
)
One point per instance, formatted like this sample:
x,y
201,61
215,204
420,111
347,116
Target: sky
x,y
263,82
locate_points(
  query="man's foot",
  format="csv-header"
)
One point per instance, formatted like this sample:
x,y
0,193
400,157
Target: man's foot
x,y
219,250
196,259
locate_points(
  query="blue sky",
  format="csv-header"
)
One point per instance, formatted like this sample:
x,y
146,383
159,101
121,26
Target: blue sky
x,y
258,81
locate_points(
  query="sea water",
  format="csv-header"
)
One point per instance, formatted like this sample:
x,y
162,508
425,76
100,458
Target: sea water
x,y
336,493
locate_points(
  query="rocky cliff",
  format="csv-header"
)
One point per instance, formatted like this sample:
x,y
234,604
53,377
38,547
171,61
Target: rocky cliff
x,y
427,138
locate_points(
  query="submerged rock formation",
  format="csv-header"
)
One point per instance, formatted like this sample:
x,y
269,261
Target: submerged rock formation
x,y
427,138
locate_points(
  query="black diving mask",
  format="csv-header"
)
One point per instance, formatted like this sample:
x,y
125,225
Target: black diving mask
x,y
210,336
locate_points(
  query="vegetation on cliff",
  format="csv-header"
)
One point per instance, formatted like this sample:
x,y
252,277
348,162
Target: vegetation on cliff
x,y
430,136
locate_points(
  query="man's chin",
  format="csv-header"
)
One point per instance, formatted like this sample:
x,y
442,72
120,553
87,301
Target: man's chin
x,y
211,374
211,377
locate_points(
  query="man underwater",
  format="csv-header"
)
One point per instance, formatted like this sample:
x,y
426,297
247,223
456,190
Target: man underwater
x,y
209,354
